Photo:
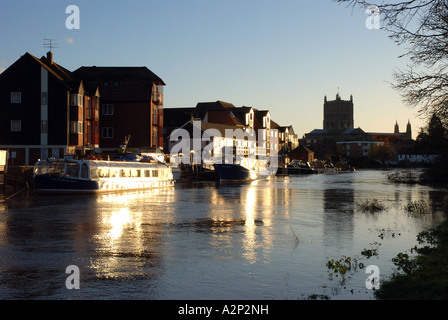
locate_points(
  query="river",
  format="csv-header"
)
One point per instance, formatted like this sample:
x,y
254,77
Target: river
x,y
256,241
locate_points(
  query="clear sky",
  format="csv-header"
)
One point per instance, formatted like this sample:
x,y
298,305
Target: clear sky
x,y
283,55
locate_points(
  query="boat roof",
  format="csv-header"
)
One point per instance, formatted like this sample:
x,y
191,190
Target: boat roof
x,y
109,164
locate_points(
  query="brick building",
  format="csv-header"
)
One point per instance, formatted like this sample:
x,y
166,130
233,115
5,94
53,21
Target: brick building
x,y
46,111
132,105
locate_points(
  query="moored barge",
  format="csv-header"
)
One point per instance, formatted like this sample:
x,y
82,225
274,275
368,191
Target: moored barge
x,y
68,176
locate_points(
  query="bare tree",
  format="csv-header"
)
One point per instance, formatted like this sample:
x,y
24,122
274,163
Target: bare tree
x,y
421,27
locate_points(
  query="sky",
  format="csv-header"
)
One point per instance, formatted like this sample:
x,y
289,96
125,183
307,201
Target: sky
x,y
283,56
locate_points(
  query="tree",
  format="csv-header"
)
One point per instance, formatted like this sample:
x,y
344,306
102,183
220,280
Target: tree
x,y
433,139
422,27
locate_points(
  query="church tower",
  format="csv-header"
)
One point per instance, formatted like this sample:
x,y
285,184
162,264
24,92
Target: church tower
x,y
397,128
338,114
409,131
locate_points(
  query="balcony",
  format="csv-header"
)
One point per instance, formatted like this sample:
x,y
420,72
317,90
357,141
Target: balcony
x,y
158,99
157,94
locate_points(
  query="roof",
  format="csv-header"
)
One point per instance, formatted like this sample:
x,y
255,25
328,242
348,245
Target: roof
x,y
302,149
320,131
176,117
203,107
102,74
134,83
353,130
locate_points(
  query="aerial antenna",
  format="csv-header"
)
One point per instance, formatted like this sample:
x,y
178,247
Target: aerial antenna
x,y
50,43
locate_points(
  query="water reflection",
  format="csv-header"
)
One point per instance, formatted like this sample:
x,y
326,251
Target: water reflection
x,y
129,232
204,240
245,210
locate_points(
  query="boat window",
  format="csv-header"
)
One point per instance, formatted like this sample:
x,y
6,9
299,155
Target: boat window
x,y
93,173
115,173
104,173
126,173
41,168
56,168
135,173
84,171
72,170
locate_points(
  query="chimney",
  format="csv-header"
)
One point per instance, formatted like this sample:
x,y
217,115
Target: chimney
x,y
50,57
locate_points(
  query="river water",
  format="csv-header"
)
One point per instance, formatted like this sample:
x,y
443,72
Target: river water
x,y
255,241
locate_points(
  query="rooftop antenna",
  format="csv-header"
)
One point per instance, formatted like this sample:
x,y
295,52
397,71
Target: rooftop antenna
x,y
50,43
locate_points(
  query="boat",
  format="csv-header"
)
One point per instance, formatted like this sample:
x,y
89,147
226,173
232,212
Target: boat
x,y
330,169
300,167
246,170
55,176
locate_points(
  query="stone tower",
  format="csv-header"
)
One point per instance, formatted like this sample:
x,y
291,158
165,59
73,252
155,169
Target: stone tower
x,y
397,128
338,114
409,131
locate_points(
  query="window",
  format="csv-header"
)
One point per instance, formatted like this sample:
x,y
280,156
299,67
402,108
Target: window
x,y
108,109
44,126
76,127
154,116
108,132
154,137
106,86
16,97
44,98
84,171
76,100
16,125
116,85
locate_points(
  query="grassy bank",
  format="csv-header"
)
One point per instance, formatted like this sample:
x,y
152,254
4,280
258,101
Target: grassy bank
x,y
423,277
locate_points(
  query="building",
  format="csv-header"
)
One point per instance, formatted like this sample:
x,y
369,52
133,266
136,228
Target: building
x,y
339,135
302,153
224,116
338,114
46,111
356,149
132,106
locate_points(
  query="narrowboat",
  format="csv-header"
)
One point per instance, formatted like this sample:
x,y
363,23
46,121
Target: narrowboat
x,y
55,176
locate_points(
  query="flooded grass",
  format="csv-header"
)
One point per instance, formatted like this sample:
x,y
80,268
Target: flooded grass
x,y
371,206
417,207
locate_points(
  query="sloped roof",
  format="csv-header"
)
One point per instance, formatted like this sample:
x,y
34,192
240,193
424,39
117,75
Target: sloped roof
x,y
134,83
353,131
302,149
101,74
176,117
320,131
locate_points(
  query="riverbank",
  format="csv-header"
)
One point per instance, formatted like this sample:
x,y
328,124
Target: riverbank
x,y
424,277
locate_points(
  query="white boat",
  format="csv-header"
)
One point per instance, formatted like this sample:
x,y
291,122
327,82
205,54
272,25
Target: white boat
x,y
96,176
246,170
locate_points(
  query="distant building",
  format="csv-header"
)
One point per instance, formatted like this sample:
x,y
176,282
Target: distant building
x,y
132,105
338,114
302,153
46,111
339,135
355,149
220,116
